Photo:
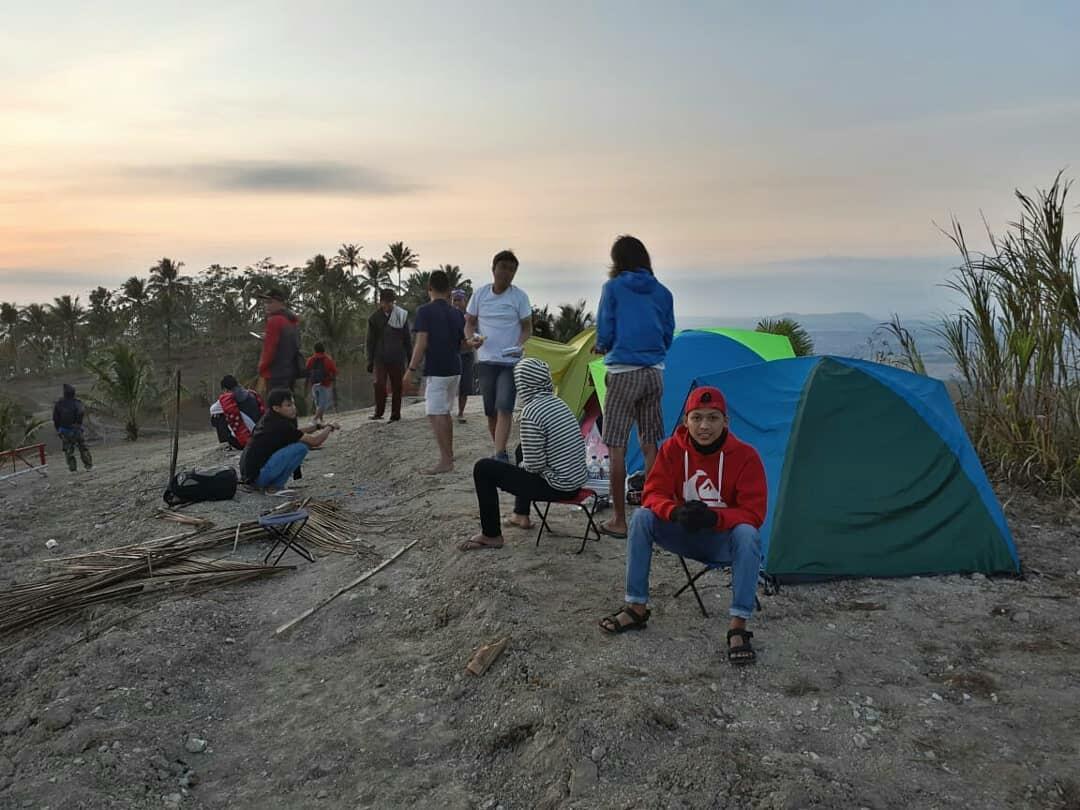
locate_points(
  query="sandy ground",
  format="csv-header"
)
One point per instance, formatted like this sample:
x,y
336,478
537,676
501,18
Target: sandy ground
x,y
954,692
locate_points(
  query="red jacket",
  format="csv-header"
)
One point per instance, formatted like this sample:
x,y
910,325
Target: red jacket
x,y
681,473
281,347
329,367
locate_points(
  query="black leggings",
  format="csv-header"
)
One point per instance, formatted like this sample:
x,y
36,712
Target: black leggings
x,y
490,476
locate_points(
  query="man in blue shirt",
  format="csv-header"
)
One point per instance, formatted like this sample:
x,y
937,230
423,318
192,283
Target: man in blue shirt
x,y
440,338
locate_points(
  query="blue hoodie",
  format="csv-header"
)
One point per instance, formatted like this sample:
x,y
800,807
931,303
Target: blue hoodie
x,y
636,320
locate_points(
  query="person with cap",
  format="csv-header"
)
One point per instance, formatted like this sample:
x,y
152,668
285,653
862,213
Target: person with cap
x,y
235,413
705,498
280,363
459,299
68,414
389,347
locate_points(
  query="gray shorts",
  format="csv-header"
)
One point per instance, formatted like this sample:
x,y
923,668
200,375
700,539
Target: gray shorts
x,y
323,396
497,387
634,396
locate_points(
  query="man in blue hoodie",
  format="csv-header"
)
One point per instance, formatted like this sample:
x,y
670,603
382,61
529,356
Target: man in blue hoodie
x,y
634,328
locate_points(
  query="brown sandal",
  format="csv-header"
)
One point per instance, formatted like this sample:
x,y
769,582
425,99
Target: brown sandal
x,y
611,624
478,542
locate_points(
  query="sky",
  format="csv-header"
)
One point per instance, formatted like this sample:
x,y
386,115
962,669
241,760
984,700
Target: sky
x,y
773,157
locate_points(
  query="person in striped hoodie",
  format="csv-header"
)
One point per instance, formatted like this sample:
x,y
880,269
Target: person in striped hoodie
x,y
552,463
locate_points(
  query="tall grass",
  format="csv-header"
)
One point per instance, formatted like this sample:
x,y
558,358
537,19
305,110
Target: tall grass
x,y
1016,344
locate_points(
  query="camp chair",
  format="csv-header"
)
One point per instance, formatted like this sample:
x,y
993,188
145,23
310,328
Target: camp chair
x,y
769,584
581,501
285,529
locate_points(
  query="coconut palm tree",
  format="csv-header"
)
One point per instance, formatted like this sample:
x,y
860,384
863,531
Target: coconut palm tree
x,y
415,294
68,316
572,319
168,289
122,385
801,342
101,319
457,279
9,321
543,323
374,277
348,255
137,298
37,329
399,257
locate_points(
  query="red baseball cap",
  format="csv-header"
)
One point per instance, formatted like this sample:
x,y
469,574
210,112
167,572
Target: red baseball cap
x,y
706,397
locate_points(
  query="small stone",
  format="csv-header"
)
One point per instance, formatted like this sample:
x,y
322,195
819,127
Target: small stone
x,y
872,715
189,780
489,804
322,794
230,640
977,577
173,800
598,753
50,544
103,749
57,717
830,626
79,760
936,696
860,741
195,745
930,755
148,705
966,696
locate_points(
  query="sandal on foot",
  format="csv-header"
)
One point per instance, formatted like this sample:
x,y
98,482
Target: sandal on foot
x,y
477,543
605,529
611,624
510,523
744,653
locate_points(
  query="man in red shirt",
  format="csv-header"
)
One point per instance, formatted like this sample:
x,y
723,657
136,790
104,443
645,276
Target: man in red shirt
x,y
321,373
280,362
705,498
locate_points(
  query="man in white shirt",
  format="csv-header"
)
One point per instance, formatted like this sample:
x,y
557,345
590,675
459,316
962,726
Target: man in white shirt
x,y
500,316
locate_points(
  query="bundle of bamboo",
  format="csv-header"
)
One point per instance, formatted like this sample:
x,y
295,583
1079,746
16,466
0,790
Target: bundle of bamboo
x,y
172,562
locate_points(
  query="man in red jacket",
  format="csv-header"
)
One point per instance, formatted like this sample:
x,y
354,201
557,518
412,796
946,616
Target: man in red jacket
x,y
704,498
280,362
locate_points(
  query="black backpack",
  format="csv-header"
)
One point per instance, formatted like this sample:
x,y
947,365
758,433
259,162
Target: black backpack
x,y
201,485
318,371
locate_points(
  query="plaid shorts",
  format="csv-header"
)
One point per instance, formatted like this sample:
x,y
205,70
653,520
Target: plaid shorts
x,y
634,396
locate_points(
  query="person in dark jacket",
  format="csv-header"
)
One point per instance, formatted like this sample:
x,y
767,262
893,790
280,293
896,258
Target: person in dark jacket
x,y
235,413
280,363
278,445
635,324
68,414
389,347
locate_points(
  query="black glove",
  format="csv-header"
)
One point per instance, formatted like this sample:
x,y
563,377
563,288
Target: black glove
x,y
698,516
370,367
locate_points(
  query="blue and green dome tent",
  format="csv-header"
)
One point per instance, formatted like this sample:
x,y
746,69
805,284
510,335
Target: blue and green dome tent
x,y
694,352
870,471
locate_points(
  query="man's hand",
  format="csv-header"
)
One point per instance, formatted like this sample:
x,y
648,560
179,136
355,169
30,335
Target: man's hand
x,y
694,516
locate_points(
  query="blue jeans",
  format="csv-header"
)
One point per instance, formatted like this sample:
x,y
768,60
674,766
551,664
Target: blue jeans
x,y
281,465
739,547
497,387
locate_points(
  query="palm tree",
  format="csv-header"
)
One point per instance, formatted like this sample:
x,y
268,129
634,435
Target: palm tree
x,y
348,255
122,385
415,294
572,320
801,342
37,327
9,320
101,320
399,258
68,315
17,428
375,277
457,279
543,323
137,298
169,289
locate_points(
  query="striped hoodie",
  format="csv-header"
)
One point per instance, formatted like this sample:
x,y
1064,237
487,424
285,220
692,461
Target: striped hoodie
x,y
551,440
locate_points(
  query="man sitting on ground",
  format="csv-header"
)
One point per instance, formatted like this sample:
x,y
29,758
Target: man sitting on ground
x,y
705,498
235,413
322,371
278,446
552,463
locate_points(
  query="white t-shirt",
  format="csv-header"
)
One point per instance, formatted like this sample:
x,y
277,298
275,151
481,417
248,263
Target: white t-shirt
x,y
499,321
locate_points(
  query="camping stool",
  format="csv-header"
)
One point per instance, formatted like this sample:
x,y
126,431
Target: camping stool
x,y
770,585
285,529
580,500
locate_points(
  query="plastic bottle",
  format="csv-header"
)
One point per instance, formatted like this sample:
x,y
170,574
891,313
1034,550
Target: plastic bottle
x,y
593,467
605,467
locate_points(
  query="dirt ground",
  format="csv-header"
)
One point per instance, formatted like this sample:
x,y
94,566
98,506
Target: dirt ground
x,y
914,693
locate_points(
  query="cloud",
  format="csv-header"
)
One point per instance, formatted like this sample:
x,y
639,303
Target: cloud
x,y
271,177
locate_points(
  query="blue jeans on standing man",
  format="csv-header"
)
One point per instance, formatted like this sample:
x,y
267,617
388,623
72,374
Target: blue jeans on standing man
x,y
739,547
280,466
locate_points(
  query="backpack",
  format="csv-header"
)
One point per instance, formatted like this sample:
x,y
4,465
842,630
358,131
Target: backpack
x,y
201,485
318,371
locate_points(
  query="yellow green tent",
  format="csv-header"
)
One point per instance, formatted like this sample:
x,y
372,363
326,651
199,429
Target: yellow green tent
x,y
569,363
